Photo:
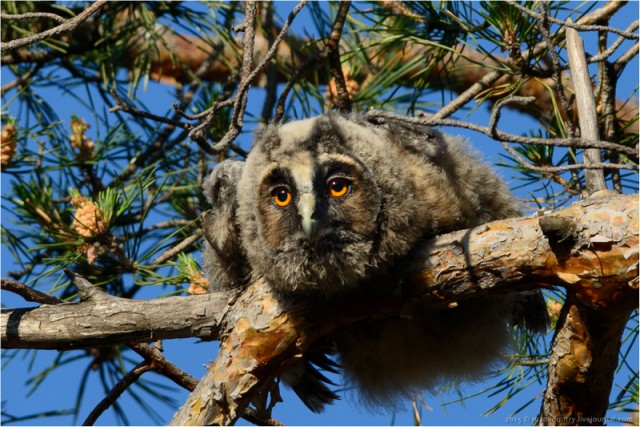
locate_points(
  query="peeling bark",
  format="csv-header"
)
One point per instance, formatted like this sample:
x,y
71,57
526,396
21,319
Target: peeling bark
x,y
582,364
261,333
499,255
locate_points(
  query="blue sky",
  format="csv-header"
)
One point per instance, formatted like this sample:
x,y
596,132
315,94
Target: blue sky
x,y
60,388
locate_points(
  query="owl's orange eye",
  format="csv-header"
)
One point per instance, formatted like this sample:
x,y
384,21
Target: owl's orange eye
x,y
339,187
281,196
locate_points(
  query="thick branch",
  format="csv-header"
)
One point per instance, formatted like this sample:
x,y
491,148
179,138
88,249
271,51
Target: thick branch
x,y
596,260
599,264
111,320
582,364
443,269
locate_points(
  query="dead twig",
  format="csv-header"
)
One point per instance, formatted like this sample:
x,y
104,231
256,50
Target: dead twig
x,y
271,73
117,390
491,77
626,57
68,25
21,80
343,101
175,250
559,142
29,294
575,26
123,106
199,133
153,355
321,57
605,54
567,106
587,115
33,15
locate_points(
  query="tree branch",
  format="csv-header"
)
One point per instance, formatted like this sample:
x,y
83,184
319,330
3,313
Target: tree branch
x,y
117,390
343,102
583,361
441,270
28,293
68,25
587,114
34,15
111,320
264,333
577,27
507,137
269,333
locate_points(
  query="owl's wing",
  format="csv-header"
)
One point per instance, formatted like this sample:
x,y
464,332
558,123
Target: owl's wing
x,y
495,201
223,257
309,384
531,312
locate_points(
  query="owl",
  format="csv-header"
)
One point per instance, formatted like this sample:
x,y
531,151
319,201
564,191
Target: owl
x,y
332,207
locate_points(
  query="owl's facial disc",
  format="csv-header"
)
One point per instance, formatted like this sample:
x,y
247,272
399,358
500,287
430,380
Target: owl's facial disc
x,y
316,222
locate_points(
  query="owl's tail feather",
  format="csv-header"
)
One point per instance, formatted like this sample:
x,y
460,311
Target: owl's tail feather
x,y
311,386
532,313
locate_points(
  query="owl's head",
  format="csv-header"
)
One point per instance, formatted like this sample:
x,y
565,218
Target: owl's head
x,y
309,205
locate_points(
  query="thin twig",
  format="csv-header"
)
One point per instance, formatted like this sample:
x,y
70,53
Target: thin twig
x,y
317,59
604,54
28,293
558,142
587,115
556,69
416,414
550,169
240,101
576,26
297,74
20,81
123,106
530,361
162,365
33,57
174,251
33,15
490,78
167,224
605,95
245,85
69,25
251,415
117,390
343,101
17,275
271,72
494,133
158,148
485,82
496,113
626,57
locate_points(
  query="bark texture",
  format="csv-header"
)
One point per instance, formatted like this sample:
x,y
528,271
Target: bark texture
x,y
597,263
110,320
590,248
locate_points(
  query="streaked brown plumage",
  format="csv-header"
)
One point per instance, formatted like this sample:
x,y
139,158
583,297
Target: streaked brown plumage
x,y
331,204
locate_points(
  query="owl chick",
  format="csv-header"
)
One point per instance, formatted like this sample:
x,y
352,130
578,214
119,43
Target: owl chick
x,y
330,207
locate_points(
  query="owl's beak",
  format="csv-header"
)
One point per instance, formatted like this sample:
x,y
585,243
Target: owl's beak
x,y
306,209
